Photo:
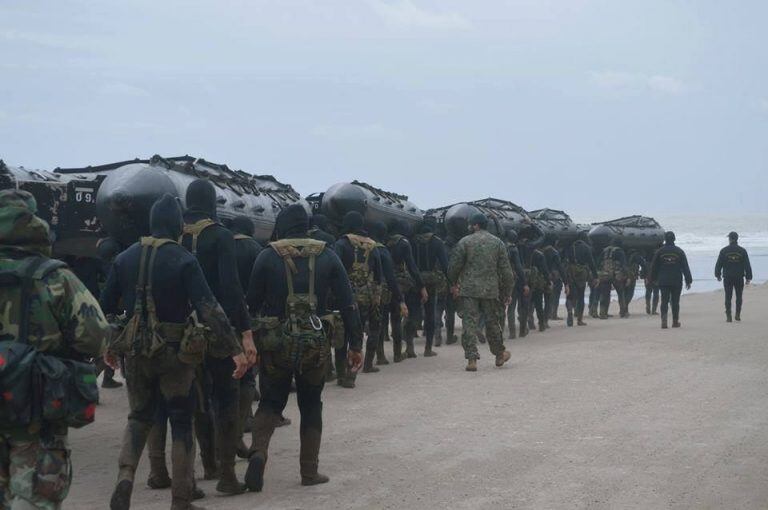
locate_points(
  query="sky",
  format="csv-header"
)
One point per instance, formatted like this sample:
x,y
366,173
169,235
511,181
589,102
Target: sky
x,y
597,107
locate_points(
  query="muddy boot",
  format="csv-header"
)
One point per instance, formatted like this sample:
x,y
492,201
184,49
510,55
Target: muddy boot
x,y
676,324
738,314
503,358
308,457
368,367
728,317
409,351
471,365
542,326
206,439
438,338
183,462
341,371
569,319
648,308
121,497
226,443
381,357
263,428
158,470
580,321
429,353
397,347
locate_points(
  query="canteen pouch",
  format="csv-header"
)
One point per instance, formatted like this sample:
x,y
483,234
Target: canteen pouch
x,y
334,329
268,334
82,394
194,342
52,384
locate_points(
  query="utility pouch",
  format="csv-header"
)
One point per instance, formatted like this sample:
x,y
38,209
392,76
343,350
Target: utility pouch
x,y
82,394
334,329
52,385
194,341
435,280
268,335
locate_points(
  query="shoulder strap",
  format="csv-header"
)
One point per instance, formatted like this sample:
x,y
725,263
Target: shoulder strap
x,y
195,229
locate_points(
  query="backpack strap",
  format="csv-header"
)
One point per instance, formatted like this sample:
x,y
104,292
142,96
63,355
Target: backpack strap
x,y
195,229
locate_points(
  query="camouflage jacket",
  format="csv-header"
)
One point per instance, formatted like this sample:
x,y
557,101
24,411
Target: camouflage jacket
x,y
480,265
65,319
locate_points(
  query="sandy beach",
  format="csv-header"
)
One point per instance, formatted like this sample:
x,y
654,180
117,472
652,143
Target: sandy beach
x,y
619,414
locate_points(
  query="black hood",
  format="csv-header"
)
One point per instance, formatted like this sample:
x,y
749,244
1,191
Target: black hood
x,y
201,198
669,237
378,230
319,221
292,221
165,221
399,227
242,225
352,223
426,228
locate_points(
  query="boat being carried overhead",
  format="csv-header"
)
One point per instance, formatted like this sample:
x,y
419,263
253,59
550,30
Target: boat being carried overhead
x,y
640,233
557,223
453,220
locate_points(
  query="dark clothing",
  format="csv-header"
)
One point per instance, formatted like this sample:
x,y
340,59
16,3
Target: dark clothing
x,y
731,284
402,255
346,252
431,254
651,298
177,281
246,251
268,288
388,270
670,266
321,235
216,254
580,253
554,263
517,265
733,263
618,255
670,294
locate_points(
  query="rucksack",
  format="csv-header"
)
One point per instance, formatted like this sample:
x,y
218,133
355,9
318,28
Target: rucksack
x,y
36,386
367,293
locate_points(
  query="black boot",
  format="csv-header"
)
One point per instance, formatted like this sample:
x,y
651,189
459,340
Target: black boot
x,y
728,316
368,367
397,347
738,314
381,357
664,322
121,497
569,319
308,457
158,469
438,338
409,350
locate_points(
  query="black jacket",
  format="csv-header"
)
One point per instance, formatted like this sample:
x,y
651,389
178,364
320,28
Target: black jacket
x,y
733,263
532,257
268,288
216,254
670,266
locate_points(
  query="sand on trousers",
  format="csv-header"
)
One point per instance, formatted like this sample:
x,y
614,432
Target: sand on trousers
x,y
619,414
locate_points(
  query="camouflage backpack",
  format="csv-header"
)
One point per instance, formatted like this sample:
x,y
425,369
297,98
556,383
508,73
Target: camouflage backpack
x,y
367,292
299,341
36,387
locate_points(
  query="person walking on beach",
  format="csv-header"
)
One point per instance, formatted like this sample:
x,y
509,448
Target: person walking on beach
x,y
732,268
668,268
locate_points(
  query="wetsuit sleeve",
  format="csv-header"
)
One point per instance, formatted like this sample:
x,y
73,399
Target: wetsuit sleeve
x,y
81,321
686,268
410,263
517,264
719,264
441,255
342,292
232,300
747,265
209,311
257,287
389,275
456,265
110,294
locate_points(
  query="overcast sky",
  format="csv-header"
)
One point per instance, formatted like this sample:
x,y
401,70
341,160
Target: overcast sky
x,y
598,107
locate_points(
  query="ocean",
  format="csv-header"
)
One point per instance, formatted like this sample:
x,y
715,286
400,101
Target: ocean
x,y
703,236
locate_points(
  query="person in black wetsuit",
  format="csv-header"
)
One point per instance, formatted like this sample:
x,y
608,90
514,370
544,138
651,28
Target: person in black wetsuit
x,y
651,290
537,276
733,268
637,267
214,247
432,260
521,292
392,300
581,272
408,278
362,262
178,286
319,229
557,275
268,292
668,268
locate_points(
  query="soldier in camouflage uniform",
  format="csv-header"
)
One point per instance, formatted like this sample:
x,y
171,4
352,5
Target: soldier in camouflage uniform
x,y
64,321
481,276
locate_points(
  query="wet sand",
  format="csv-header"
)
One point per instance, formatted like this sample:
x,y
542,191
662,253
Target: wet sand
x,y
618,414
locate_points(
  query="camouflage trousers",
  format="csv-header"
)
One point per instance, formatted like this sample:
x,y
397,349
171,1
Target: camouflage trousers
x,y
153,383
35,471
473,312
